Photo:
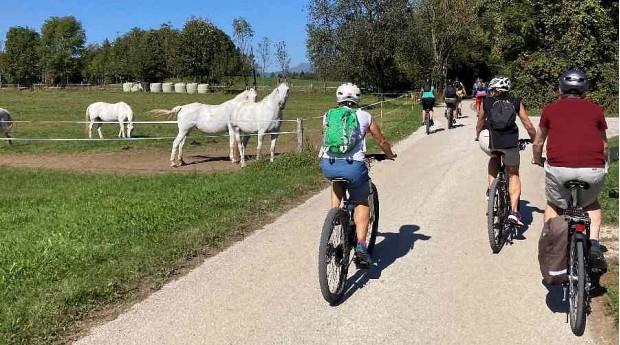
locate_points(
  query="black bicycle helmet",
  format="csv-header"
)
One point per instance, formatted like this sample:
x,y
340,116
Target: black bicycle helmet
x,y
574,81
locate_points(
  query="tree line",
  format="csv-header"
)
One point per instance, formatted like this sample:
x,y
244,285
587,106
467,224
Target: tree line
x,y
200,52
397,44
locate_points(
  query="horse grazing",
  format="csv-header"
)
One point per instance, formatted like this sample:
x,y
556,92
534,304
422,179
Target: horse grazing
x,y
210,119
261,117
107,112
6,124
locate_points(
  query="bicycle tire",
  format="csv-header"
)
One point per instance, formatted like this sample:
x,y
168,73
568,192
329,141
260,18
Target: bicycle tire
x,y
334,254
577,288
450,116
373,229
495,217
427,123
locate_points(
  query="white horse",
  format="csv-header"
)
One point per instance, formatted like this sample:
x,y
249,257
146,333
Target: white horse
x,y
110,112
261,118
6,124
210,119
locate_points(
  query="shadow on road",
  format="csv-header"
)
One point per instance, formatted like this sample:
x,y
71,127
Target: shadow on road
x,y
554,298
391,247
199,159
527,212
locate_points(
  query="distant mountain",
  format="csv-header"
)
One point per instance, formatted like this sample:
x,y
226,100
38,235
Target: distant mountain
x,y
302,67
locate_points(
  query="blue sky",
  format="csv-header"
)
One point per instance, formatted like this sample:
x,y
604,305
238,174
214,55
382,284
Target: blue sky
x,y
279,20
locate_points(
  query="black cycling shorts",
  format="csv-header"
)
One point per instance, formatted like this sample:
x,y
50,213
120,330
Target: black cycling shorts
x,y
428,103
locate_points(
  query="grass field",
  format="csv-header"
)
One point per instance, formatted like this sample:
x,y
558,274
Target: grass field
x,y
74,243
609,204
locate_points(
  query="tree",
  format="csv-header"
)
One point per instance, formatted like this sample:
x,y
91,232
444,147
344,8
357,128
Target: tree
x,y
282,56
264,52
20,57
243,34
62,45
322,40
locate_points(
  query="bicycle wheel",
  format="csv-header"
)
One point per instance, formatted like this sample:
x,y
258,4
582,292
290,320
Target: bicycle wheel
x,y
427,123
450,116
334,251
373,226
496,210
577,287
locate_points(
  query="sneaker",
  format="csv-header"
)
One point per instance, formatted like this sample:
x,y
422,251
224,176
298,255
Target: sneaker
x,y
362,258
432,122
515,218
598,265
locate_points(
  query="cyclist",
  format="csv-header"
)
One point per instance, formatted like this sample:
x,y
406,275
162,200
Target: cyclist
x,y
460,93
497,130
576,150
479,92
451,99
352,167
428,100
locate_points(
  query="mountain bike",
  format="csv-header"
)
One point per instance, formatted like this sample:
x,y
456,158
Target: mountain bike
x,y
579,281
339,238
498,207
449,112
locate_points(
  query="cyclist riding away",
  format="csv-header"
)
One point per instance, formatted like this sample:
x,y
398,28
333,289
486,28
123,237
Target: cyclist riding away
x,y
348,163
497,131
450,97
460,93
428,100
576,150
479,92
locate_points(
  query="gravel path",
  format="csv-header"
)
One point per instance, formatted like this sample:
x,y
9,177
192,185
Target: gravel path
x,y
435,280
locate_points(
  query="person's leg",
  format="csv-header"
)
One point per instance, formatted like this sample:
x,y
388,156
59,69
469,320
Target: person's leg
x,y
596,216
493,169
361,216
551,211
337,194
514,186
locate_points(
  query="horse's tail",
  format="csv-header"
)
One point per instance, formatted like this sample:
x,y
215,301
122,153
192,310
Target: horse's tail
x,y
165,113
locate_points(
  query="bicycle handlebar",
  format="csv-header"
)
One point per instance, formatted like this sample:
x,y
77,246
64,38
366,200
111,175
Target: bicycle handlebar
x,y
376,156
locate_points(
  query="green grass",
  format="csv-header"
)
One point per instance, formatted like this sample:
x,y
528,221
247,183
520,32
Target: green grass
x,y
72,243
609,205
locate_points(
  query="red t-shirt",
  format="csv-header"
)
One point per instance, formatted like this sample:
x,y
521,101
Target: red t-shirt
x,y
574,133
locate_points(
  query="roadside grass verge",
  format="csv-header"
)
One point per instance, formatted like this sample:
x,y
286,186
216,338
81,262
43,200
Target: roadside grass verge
x,y
609,204
75,243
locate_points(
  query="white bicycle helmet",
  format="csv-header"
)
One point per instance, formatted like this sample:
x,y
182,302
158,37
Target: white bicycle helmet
x,y
348,92
500,84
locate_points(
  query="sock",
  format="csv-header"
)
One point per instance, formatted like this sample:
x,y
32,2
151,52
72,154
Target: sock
x,y
362,243
595,243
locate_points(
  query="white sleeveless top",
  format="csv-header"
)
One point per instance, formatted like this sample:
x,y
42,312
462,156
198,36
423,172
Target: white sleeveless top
x,y
357,154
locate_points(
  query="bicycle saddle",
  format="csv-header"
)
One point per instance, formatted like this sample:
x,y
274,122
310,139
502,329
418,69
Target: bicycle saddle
x,y
577,184
340,179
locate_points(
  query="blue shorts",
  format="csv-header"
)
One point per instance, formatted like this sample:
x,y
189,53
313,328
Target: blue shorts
x,y
355,172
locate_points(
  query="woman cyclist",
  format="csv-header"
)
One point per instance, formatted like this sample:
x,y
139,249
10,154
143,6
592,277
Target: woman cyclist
x,y
352,167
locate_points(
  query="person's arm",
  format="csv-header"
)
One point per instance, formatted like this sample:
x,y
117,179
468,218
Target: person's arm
x,y
605,145
383,143
525,120
537,145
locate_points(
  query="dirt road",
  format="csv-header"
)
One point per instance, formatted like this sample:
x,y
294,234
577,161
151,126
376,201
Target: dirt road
x,y
435,280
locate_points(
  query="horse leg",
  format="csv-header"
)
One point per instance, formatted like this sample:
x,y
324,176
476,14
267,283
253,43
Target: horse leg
x,y
175,146
99,131
272,149
181,161
241,146
90,130
234,151
121,132
259,145
8,135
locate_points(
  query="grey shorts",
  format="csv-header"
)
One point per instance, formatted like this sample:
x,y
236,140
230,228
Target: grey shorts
x,y
511,156
557,194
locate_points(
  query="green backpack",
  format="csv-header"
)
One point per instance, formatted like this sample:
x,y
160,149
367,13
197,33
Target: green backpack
x,y
339,132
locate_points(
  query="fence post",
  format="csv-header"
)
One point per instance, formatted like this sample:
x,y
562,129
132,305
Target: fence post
x,y
300,134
